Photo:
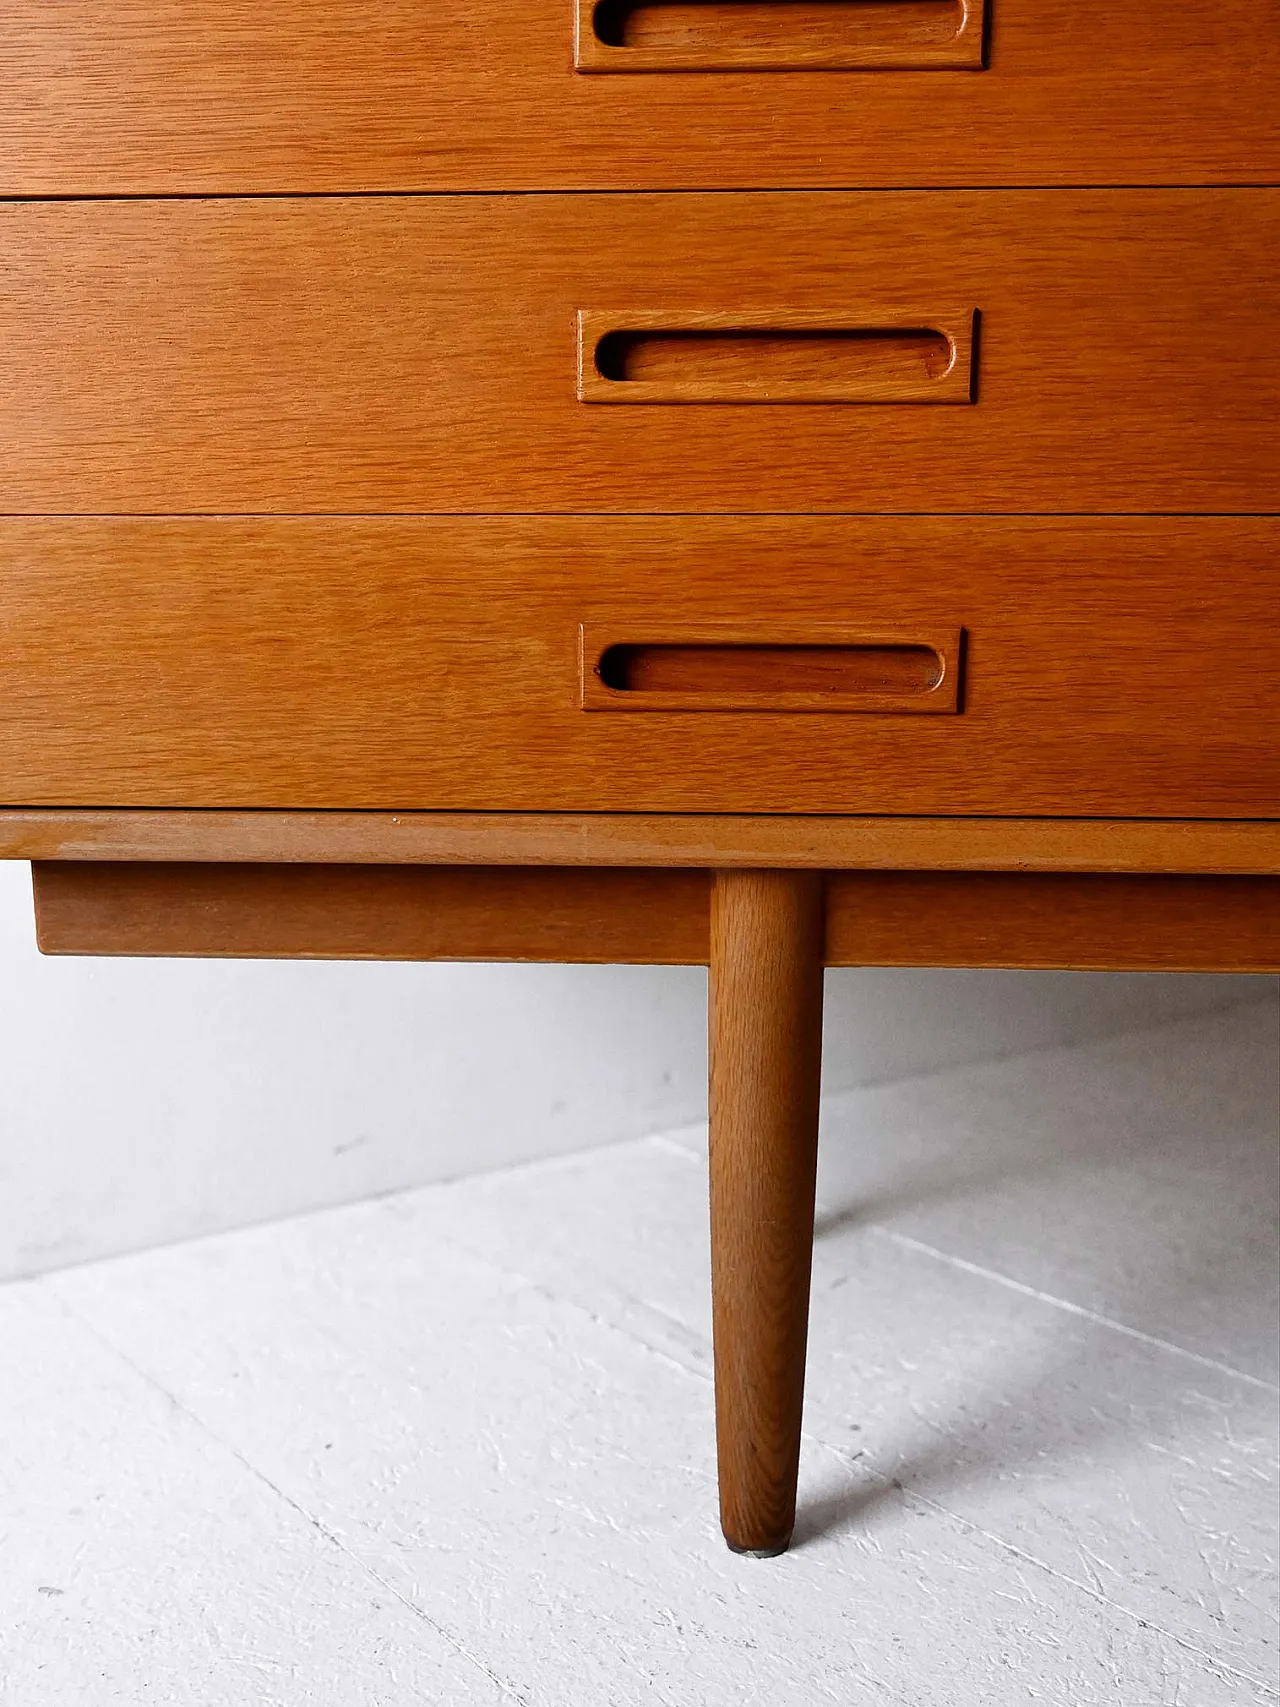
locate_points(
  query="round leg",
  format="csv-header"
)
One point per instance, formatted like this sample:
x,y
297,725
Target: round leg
x,y
766,1054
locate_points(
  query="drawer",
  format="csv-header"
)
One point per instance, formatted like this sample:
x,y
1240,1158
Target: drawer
x,y
1024,351
173,96
873,665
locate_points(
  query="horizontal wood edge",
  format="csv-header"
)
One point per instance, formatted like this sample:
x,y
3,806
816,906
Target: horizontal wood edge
x,y
614,839
649,917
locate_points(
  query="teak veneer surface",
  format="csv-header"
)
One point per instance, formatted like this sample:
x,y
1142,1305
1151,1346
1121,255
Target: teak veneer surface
x,y
654,917
676,841
1112,667
420,354
182,96
765,1048
404,390
387,912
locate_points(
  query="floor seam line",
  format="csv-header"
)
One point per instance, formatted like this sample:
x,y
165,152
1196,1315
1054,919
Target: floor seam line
x,y
383,1196
671,1140
981,1272
862,1466
524,1164
104,1339
548,1293
885,1481
618,1328
1184,1642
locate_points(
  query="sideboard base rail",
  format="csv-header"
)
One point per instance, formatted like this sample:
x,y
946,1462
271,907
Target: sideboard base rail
x,y
649,916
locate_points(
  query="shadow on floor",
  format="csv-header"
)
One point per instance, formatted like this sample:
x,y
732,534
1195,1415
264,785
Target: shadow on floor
x,y
1137,1180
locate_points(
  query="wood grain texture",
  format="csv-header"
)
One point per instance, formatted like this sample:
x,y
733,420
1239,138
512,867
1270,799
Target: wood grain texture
x,y
766,1056
1113,668
627,36
771,666
379,912
183,96
1099,922
687,841
901,355
595,915
419,354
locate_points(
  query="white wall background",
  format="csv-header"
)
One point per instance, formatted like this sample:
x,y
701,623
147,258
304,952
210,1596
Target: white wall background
x,y
146,1101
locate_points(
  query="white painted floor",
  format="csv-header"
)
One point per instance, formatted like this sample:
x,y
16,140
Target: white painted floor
x,y
456,1446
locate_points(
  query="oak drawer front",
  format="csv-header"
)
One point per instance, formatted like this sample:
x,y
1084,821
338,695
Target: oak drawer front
x,y
1109,667
422,354
174,96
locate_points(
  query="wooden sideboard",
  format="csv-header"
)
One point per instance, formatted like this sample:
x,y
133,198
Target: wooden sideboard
x,y
767,484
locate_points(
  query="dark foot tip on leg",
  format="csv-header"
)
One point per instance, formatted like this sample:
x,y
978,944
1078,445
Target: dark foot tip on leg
x,y
773,1552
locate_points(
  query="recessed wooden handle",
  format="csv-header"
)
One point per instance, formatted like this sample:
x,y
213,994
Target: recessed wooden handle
x,y
727,668
780,35
871,356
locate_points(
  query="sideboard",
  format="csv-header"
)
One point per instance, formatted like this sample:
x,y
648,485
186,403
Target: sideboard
x,y
765,484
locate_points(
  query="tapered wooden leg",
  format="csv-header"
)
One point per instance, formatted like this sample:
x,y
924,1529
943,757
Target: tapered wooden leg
x,y
766,1054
